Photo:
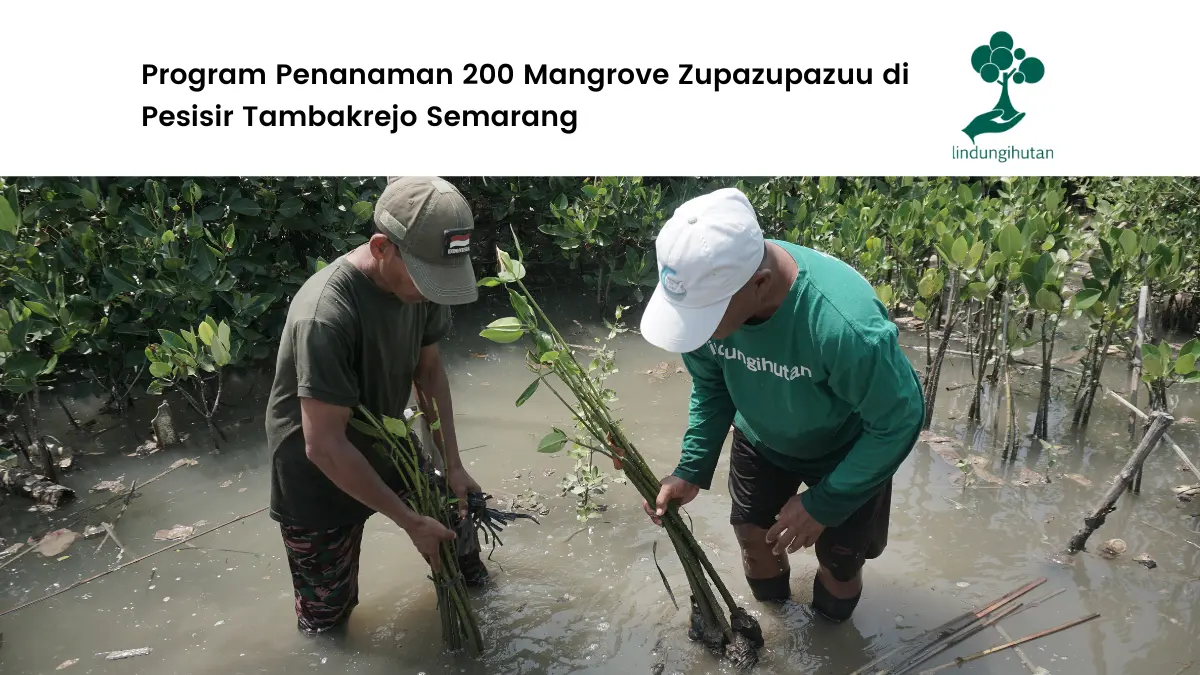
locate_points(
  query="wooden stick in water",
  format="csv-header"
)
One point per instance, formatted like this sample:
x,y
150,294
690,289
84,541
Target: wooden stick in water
x,y
950,627
992,650
958,638
1174,446
1158,426
92,578
1172,534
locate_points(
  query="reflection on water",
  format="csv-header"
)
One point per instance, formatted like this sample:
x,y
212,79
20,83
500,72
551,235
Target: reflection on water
x,y
593,602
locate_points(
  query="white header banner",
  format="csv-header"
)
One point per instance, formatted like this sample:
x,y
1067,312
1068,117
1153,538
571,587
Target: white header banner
x,y
647,88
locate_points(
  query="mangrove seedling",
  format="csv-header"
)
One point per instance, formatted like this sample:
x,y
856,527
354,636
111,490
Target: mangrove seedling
x,y
736,635
429,497
181,360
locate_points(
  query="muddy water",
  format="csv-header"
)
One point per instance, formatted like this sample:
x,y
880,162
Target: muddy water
x,y
572,599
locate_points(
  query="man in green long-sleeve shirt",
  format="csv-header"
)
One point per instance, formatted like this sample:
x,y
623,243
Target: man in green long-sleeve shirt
x,y
791,347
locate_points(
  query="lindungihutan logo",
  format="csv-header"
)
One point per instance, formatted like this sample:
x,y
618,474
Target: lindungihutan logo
x,y
1001,63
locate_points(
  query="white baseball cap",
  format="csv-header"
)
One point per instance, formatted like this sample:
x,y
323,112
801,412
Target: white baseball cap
x,y
707,251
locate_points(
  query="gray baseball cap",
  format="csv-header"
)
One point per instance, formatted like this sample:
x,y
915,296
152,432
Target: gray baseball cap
x,y
431,223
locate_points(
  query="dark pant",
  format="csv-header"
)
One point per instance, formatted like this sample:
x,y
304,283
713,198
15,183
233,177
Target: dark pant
x,y
759,490
324,566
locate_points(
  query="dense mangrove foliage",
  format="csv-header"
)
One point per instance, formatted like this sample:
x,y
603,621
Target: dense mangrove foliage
x,y
159,284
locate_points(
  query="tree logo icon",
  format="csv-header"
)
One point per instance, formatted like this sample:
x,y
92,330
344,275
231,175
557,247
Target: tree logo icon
x,y
999,63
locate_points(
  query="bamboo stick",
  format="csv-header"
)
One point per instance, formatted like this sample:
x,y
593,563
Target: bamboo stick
x,y
1012,643
1174,446
963,635
952,626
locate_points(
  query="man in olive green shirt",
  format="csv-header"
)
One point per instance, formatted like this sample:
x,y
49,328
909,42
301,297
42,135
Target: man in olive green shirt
x,y
364,331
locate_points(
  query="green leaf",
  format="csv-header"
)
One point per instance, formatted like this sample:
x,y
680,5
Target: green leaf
x,y
1191,347
365,428
550,357
191,339
24,365
528,392
244,206
220,353
885,294
1048,300
173,340
1011,242
156,388
40,309
89,199
120,280
290,208
930,284
229,237
1129,243
206,334
223,334
975,255
363,211
978,290
1185,364
989,268
1152,368
552,442
521,306
504,331
965,195
921,310
1086,298
489,282
8,219
160,369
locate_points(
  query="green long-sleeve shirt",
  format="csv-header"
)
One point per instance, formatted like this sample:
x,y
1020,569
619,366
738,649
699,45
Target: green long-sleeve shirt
x,y
821,388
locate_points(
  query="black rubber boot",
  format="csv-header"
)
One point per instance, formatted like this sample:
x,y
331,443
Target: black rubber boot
x,y
832,609
776,589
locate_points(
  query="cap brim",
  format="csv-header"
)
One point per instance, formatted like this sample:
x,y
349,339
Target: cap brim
x,y
444,284
680,329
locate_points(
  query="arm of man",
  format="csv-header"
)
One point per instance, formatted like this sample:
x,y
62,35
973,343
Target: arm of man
x,y
326,445
433,398
710,413
874,376
328,388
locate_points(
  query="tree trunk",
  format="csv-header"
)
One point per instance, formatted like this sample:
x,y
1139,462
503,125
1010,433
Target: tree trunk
x,y
1001,359
1094,385
1041,425
986,344
36,487
1088,367
1135,374
932,384
1158,426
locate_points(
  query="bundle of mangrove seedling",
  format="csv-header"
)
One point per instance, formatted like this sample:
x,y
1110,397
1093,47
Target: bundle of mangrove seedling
x,y
428,495
736,635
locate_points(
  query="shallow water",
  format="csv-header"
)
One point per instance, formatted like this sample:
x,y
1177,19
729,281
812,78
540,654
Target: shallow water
x,y
566,600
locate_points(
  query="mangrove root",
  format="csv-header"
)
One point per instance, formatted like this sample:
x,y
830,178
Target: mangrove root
x,y
35,487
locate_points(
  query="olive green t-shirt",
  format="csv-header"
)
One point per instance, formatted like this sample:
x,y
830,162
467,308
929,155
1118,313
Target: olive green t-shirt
x,y
346,342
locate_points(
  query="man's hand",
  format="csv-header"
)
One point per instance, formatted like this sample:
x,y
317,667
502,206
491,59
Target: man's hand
x,y
794,529
674,489
460,483
427,535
